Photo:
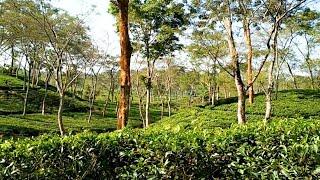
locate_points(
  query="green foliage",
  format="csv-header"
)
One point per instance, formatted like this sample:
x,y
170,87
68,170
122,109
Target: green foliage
x,y
7,81
282,149
196,143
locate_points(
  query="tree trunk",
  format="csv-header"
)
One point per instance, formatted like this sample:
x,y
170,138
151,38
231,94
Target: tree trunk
x,y
307,59
225,92
38,75
292,75
190,98
310,73
25,104
117,108
270,76
45,94
162,106
74,89
111,92
112,86
140,112
213,97
84,84
217,96
169,102
33,75
18,69
236,71
241,101
93,97
147,118
60,111
28,86
106,105
12,60
247,35
25,77
125,82
277,83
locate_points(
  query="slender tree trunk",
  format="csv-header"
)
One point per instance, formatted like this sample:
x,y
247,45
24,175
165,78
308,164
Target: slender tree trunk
x,y
141,105
25,77
12,60
83,85
225,92
310,73
190,98
25,104
125,82
45,94
241,101
162,106
106,104
169,101
110,93
117,108
74,89
33,75
105,107
217,96
307,59
270,76
169,61
277,83
93,97
292,75
247,35
18,69
141,112
147,118
38,76
60,111
236,72
213,99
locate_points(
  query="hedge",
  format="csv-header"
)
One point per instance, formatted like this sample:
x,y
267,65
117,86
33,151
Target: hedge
x,y
282,149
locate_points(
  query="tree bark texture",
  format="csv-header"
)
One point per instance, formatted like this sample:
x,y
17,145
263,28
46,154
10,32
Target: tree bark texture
x,y
236,72
125,82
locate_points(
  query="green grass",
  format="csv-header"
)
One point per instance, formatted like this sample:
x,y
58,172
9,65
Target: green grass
x,y
34,124
301,104
9,81
195,143
290,104
12,123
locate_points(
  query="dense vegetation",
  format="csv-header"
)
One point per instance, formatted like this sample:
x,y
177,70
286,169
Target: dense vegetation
x,y
225,89
193,143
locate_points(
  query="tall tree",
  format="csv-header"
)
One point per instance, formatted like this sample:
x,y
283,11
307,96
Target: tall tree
x,y
157,36
277,11
126,51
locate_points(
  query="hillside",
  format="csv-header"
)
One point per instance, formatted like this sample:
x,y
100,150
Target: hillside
x,y
294,104
13,124
200,142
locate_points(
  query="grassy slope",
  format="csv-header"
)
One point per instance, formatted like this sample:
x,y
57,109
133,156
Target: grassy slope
x,y
195,143
301,104
12,123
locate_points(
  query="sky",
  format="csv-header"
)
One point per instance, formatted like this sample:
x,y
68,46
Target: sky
x,y
100,22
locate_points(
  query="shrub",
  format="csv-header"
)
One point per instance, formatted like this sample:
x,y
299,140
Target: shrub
x,y
281,149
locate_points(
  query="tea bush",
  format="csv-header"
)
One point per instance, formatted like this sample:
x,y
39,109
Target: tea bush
x,y
281,149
